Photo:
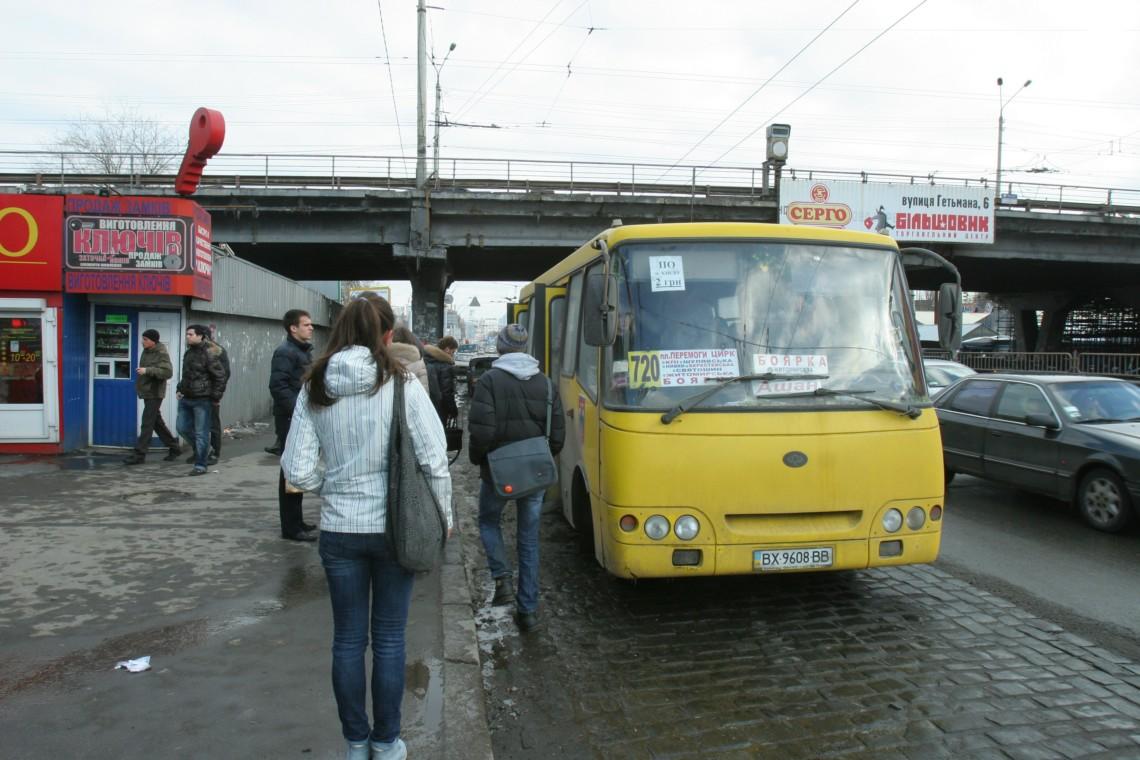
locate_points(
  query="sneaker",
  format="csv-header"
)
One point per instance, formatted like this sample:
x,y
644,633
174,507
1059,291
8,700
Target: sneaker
x,y
172,455
527,621
309,527
213,459
396,750
304,535
134,459
503,595
275,450
198,471
357,751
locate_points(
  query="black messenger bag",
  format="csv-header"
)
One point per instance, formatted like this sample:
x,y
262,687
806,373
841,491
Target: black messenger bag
x,y
524,467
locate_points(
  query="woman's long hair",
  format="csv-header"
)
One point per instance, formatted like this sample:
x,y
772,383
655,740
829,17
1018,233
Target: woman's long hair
x,y
363,322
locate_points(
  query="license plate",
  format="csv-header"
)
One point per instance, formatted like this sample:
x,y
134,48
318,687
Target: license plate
x,y
768,560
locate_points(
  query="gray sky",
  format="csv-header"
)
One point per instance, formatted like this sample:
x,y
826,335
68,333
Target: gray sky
x,y
655,81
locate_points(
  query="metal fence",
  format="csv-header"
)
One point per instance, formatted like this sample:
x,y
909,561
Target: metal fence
x,y
1109,365
127,170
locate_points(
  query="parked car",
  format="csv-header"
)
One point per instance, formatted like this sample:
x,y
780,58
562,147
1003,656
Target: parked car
x,y
1072,437
941,373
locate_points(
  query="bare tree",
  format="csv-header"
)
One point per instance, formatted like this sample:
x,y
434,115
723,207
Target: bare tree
x,y
121,141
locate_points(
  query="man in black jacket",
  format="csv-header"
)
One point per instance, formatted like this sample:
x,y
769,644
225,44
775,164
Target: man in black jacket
x,y
290,360
510,405
202,385
218,350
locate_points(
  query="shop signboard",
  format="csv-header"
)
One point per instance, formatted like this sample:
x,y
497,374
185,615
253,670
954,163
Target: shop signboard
x,y
30,242
905,212
136,245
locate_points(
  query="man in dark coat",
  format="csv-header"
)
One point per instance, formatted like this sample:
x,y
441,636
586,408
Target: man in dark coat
x,y
219,351
510,405
151,376
440,361
290,360
202,385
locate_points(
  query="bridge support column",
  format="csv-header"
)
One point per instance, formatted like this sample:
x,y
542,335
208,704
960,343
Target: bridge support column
x,y
429,283
1052,329
1025,330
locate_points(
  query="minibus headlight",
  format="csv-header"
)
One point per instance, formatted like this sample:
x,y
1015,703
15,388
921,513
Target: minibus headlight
x,y
687,527
892,520
915,518
657,527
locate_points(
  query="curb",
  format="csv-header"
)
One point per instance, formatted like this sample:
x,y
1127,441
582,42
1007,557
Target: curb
x,y
466,734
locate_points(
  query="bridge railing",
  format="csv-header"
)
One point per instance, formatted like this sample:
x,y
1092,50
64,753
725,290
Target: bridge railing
x,y
237,170
1076,362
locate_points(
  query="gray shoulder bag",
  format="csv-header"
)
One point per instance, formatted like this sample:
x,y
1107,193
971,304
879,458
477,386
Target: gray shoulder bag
x,y
416,527
524,467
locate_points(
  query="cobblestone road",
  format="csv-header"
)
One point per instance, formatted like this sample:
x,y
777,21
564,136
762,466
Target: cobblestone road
x,y
905,662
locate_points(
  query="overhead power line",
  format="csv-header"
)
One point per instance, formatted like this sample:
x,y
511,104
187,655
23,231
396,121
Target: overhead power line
x,y
819,81
391,81
756,92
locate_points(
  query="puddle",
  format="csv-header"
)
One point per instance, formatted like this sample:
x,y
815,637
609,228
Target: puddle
x,y
425,680
15,466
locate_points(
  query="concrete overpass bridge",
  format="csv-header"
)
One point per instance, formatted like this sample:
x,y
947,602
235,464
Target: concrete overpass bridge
x,y
345,217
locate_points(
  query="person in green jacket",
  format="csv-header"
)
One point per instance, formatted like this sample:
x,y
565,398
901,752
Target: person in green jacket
x,y
153,372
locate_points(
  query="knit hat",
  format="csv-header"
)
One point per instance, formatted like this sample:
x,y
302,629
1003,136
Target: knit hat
x,y
151,335
512,339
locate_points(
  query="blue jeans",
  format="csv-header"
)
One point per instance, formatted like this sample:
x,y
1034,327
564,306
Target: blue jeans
x,y
490,513
194,426
361,568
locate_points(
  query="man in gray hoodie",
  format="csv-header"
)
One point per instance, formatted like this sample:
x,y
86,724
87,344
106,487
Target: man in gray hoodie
x,y
510,405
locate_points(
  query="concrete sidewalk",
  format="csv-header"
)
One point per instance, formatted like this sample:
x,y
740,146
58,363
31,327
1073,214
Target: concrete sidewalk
x,y
103,562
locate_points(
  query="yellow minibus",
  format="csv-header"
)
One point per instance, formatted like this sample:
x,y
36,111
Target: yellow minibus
x,y
742,398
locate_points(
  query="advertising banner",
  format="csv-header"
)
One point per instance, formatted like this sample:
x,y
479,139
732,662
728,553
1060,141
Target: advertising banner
x,y
30,242
157,246
907,213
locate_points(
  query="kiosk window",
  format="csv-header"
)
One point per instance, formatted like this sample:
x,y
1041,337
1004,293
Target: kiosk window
x,y
21,361
113,350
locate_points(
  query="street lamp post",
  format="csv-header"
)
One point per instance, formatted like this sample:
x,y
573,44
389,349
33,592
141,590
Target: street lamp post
x,y
439,68
1001,125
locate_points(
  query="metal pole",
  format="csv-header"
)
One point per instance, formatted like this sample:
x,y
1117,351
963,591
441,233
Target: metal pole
x,y
1001,126
435,147
421,95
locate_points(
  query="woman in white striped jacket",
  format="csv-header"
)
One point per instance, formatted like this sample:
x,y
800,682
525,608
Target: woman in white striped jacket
x,y
338,447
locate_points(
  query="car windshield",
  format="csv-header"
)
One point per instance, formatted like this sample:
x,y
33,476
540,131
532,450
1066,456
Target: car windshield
x,y
804,317
1099,401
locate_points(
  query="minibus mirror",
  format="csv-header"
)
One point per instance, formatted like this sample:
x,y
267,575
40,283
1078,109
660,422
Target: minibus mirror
x,y
950,316
599,311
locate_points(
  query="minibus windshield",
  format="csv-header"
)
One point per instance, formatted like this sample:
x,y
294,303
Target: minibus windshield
x,y
812,316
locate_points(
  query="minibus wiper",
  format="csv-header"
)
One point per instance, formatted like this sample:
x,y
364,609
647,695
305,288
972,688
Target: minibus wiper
x,y
858,393
692,401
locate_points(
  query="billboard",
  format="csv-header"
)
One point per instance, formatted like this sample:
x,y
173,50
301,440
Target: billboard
x,y
30,242
125,244
907,213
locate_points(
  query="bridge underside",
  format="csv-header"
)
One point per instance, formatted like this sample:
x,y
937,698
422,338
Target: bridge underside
x,y
1039,262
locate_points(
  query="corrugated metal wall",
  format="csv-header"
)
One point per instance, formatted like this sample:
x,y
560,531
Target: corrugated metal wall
x,y
246,313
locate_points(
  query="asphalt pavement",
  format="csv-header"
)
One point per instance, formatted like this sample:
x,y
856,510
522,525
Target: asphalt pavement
x,y
104,563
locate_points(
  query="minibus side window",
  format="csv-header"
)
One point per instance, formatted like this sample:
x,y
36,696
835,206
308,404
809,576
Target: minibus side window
x,y
573,311
588,355
557,328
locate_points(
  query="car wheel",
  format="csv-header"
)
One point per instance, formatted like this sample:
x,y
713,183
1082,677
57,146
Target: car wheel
x,y
1103,501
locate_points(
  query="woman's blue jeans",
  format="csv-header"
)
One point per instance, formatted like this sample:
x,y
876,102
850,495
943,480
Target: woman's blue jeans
x,y
529,510
362,570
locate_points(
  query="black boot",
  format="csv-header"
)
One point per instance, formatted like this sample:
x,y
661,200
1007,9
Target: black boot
x,y
503,595
135,458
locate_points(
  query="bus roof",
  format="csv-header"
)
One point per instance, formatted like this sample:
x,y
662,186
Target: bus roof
x,y
616,235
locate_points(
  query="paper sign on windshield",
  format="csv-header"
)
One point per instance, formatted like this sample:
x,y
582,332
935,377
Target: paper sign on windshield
x,y
666,273
681,368
788,364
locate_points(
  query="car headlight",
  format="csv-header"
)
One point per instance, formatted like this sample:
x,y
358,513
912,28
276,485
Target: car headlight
x,y
687,527
915,518
892,520
657,527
